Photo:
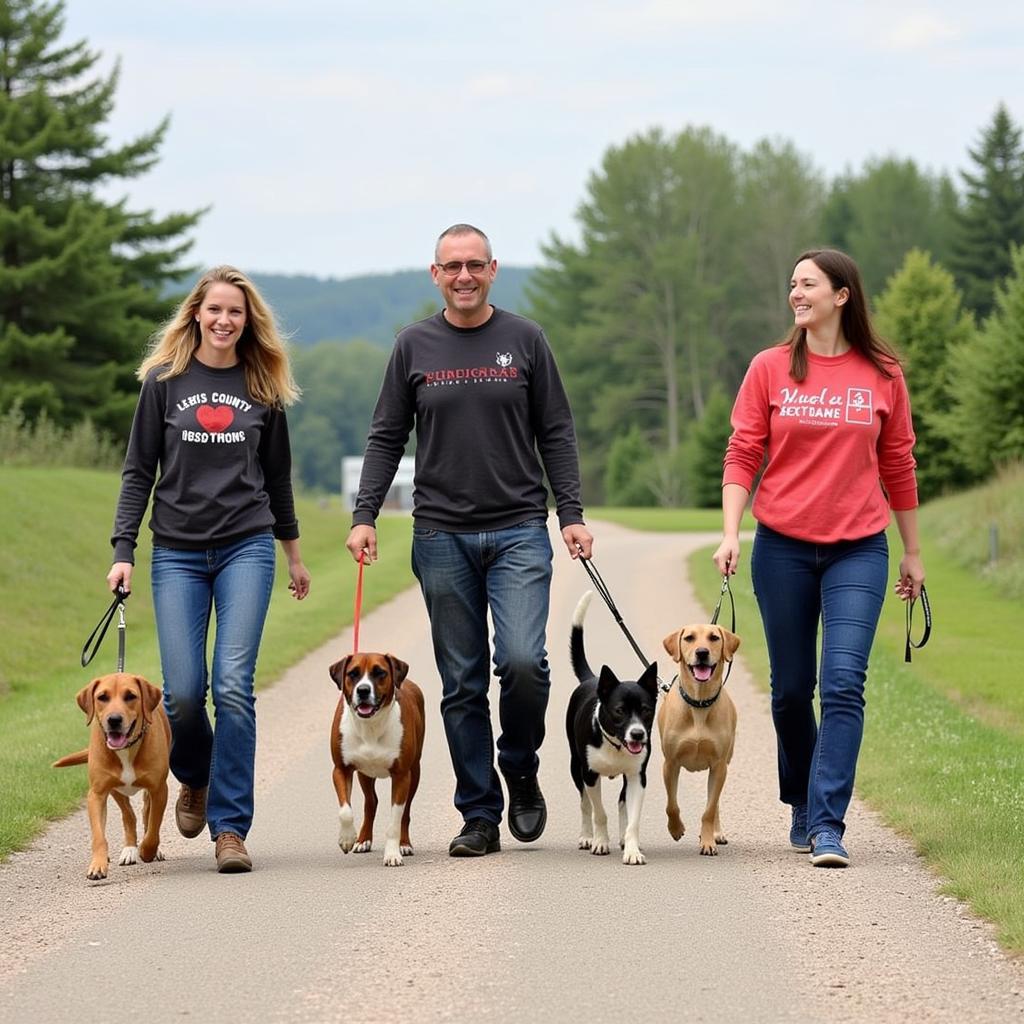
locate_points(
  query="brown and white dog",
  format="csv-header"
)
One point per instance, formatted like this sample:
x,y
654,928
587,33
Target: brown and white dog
x,y
697,723
128,750
378,732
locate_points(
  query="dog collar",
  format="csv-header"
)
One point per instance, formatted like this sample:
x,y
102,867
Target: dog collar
x,y
597,722
706,703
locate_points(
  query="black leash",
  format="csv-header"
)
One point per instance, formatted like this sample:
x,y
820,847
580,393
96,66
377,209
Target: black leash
x,y
117,605
601,587
718,607
927,609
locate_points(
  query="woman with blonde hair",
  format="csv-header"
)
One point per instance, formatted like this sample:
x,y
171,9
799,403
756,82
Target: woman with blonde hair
x,y
211,418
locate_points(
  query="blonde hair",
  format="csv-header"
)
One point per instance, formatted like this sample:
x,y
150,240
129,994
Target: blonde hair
x,y
261,349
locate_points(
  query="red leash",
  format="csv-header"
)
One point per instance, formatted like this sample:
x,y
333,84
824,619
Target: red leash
x,y
359,604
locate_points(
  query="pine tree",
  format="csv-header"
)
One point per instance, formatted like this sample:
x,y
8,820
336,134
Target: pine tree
x,y
82,279
921,314
992,218
986,378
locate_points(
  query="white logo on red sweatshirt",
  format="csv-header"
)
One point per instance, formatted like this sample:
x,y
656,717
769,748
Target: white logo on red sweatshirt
x,y
825,409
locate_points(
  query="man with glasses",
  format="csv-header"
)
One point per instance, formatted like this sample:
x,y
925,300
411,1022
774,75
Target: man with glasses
x,y
482,390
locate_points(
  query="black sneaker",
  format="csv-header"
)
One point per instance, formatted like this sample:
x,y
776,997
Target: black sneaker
x,y
527,812
477,837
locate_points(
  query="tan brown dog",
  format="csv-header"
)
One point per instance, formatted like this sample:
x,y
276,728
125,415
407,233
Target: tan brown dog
x,y
697,723
128,750
378,732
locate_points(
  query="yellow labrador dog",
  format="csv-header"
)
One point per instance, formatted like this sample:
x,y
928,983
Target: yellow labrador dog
x,y
129,749
697,723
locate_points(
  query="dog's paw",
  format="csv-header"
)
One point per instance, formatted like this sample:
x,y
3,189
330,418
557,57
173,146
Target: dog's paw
x,y
585,842
720,839
129,855
708,849
392,855
599,847
406,849
363,847
97,870
632,855
147,854
676,828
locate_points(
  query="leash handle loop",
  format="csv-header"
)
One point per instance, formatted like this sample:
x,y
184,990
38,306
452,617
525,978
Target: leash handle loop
x,y
726,589
116,606
927,609
359,603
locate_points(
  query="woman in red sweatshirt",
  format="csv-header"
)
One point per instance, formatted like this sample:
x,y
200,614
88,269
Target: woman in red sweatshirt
x,y
829,409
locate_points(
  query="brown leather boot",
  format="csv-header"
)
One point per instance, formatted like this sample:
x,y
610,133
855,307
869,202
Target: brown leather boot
x,y
232,856
190,811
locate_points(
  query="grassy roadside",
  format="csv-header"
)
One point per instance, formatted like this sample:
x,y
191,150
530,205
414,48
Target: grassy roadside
x,y
52,567
943,753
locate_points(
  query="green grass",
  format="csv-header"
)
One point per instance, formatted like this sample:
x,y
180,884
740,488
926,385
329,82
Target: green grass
x,y
943,753
52,591
661,520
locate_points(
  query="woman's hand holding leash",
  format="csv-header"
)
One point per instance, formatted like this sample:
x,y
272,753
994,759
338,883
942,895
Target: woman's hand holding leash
x,y
120,575
908,586
727,555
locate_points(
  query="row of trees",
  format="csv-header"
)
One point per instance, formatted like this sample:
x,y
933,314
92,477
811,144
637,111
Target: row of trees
x,y
83,280
681,275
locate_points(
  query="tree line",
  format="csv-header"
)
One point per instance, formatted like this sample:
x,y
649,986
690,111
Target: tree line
x,y
680,274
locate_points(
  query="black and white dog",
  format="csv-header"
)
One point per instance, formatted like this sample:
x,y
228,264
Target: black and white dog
x,y
609,724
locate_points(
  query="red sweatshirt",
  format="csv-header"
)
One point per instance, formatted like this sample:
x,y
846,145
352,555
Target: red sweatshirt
x,y
833,440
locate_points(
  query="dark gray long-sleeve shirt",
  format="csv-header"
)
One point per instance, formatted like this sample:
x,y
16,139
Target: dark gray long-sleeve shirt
x,y
224,462
484,401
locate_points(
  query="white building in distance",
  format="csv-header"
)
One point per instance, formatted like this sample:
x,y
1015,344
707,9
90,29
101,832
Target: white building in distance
x,y
399,497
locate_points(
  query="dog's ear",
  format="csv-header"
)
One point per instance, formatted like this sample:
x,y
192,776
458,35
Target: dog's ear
x,y
649,680
338,670
399,669
671,643
151,697
730,643
606,682
86,701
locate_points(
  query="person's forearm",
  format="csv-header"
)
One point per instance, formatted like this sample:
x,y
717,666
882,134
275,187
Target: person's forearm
x,y
291,550
734,501
906,523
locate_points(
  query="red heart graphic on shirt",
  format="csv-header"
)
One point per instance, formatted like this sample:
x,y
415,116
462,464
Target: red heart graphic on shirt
x,y
215,418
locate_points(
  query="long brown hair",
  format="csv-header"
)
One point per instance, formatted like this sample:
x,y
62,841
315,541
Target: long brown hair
x,y
261,349
855,323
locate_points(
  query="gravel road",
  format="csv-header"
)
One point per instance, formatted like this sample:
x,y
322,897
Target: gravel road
x,y
754,934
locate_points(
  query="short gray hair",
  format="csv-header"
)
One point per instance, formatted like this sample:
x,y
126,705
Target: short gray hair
x,y
461,229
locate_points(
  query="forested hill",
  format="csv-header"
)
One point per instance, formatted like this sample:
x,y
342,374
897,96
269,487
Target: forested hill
x,y
373,306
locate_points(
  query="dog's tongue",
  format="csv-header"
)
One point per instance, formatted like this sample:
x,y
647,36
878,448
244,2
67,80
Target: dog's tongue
x,y
365,710
633,747
117,740
702,673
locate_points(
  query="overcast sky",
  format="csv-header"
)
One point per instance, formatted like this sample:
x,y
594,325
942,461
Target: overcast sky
x,y
335,138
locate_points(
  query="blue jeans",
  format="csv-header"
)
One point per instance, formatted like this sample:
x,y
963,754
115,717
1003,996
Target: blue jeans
x,y
235,581
461,574
843,585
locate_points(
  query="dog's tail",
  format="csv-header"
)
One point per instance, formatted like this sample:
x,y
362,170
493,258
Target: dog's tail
x,y
81,757
576,653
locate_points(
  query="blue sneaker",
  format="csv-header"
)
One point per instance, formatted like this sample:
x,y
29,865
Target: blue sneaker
x,y
827,850
798,829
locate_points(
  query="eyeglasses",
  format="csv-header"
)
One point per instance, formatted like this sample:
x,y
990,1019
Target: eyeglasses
x,y
454,267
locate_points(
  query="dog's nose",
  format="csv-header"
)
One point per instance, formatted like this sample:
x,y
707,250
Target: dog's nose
x,y
364,691
114,722
703,653
637,734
